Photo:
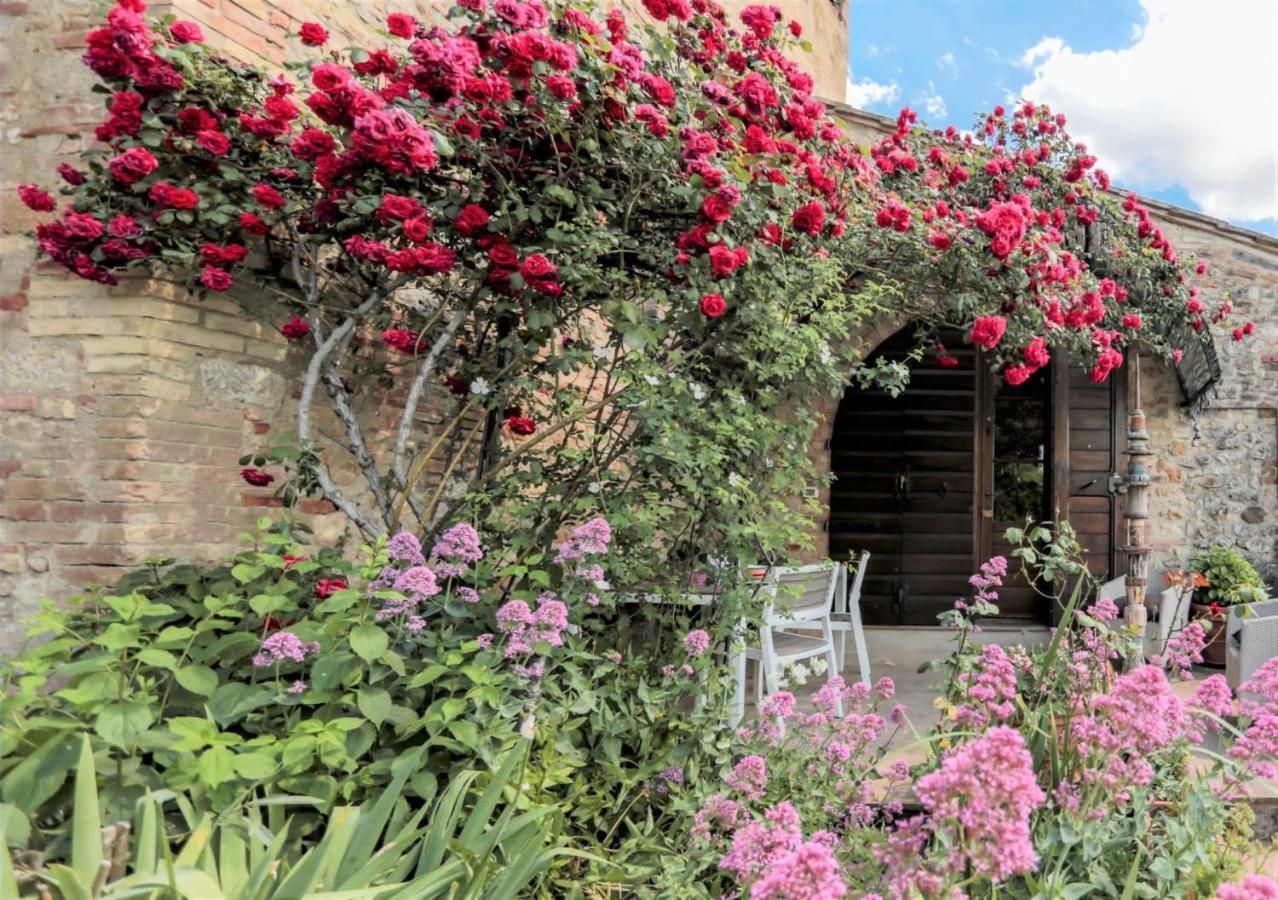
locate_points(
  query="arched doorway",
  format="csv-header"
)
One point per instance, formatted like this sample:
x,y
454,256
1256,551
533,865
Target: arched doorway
x,y
930,480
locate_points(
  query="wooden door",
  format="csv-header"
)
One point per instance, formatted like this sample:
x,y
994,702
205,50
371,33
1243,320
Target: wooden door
x,y
904,486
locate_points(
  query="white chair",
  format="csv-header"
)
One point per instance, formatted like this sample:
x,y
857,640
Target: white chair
x,y
797,597
847,615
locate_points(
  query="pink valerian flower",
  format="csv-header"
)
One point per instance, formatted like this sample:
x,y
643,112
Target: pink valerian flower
x,y
778,705
589,539
405,548
717,814
758,846
459,546
809,872
467,594
988,691
984,794
1184,649
525,627
1213,696
418,582
1104,610
749,777
297,687
1252,887
696,642
284,646
1264,682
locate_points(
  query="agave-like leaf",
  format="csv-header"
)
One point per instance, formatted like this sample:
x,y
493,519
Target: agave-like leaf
x,y
86,819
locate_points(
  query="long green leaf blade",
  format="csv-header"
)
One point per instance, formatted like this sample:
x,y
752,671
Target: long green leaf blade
x,y
86,819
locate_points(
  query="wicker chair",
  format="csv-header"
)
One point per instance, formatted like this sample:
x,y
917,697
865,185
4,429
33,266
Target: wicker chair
x,y
1167,616
1251,640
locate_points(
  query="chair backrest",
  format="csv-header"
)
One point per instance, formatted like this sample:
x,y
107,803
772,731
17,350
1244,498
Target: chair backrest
x,y
854,592
1114,589
802,592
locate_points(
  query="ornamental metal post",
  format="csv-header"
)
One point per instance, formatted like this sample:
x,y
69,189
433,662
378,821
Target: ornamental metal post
x,y
1136,522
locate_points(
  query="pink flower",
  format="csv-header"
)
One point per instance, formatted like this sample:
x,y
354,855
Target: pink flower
x,y
749,777
284,646
809,872
215,279
589,539
982,798
696,642
1252,887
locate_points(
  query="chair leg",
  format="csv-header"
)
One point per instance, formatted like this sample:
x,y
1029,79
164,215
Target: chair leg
x,y
770,670
858,635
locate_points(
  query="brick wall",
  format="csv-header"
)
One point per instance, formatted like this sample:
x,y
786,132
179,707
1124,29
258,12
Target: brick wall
x,y
124,411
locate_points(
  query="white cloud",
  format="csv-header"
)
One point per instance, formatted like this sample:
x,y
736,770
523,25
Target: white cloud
x,y
866,93
1192,102
947,63
933,104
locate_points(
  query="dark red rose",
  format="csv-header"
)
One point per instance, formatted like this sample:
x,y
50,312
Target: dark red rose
x,y
253,224
809,218
326,587
256,477
295,329
715,208
132,165
214,142
216,279
313,34
471,220
181,198
36,199
268,197
70,174
503,256
185,32
713,306
418,228
521,425
216,255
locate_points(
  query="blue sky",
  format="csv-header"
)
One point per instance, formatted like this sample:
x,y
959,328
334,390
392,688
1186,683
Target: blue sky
x,y
1178,98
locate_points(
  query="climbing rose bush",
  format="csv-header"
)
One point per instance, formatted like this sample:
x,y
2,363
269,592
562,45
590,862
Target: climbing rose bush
x,y
578,235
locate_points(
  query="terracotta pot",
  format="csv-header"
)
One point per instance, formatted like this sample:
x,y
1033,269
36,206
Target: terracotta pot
x,y
1214,649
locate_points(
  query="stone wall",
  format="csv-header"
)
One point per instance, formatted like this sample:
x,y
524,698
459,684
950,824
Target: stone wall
x,y
125,410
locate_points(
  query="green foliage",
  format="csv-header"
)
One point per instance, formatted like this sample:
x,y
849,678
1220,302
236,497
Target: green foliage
x,y
1230,577
467,842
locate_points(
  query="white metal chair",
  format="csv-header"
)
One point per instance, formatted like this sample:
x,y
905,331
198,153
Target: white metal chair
x,y
847,615
798,597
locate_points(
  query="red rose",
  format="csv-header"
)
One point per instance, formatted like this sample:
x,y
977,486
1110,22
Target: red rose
x,y
215,279
181,198
396,207
724,261
715,208
290,561
123,226
82,226
36,199
401,24
809,218
503,256
521,425
938,239
313,34
947,362
326,587
561,87
401,339
313,143
253,224
132,165
537,268
418,228
295,329
1015,375
268,197
256,477
221,255
1036,353
1132,321
471,220
1005,224
184,32
70,174
987,331
713,306
214,142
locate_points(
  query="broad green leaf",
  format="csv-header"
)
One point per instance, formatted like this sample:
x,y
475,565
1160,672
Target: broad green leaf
x,y
197,679
216,766
375,703
369,642
121,724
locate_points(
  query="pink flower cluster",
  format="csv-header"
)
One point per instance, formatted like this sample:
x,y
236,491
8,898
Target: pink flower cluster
x,y
456,548
982,798
772,860
524,627
988,691
284,646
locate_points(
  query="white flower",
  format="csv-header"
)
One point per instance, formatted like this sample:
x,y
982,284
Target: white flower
x,y
735,480
825,354
594,487
480,388
698,391
819,665
652,380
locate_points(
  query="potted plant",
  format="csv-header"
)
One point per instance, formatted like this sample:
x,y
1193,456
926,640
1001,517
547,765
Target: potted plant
x,y
1221,577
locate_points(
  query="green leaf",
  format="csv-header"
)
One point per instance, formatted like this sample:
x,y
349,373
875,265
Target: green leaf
x,y
15,825
375,703
197,679
231,702
86,819
465,731
216,766
121,724
255,766
369,642
244,572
